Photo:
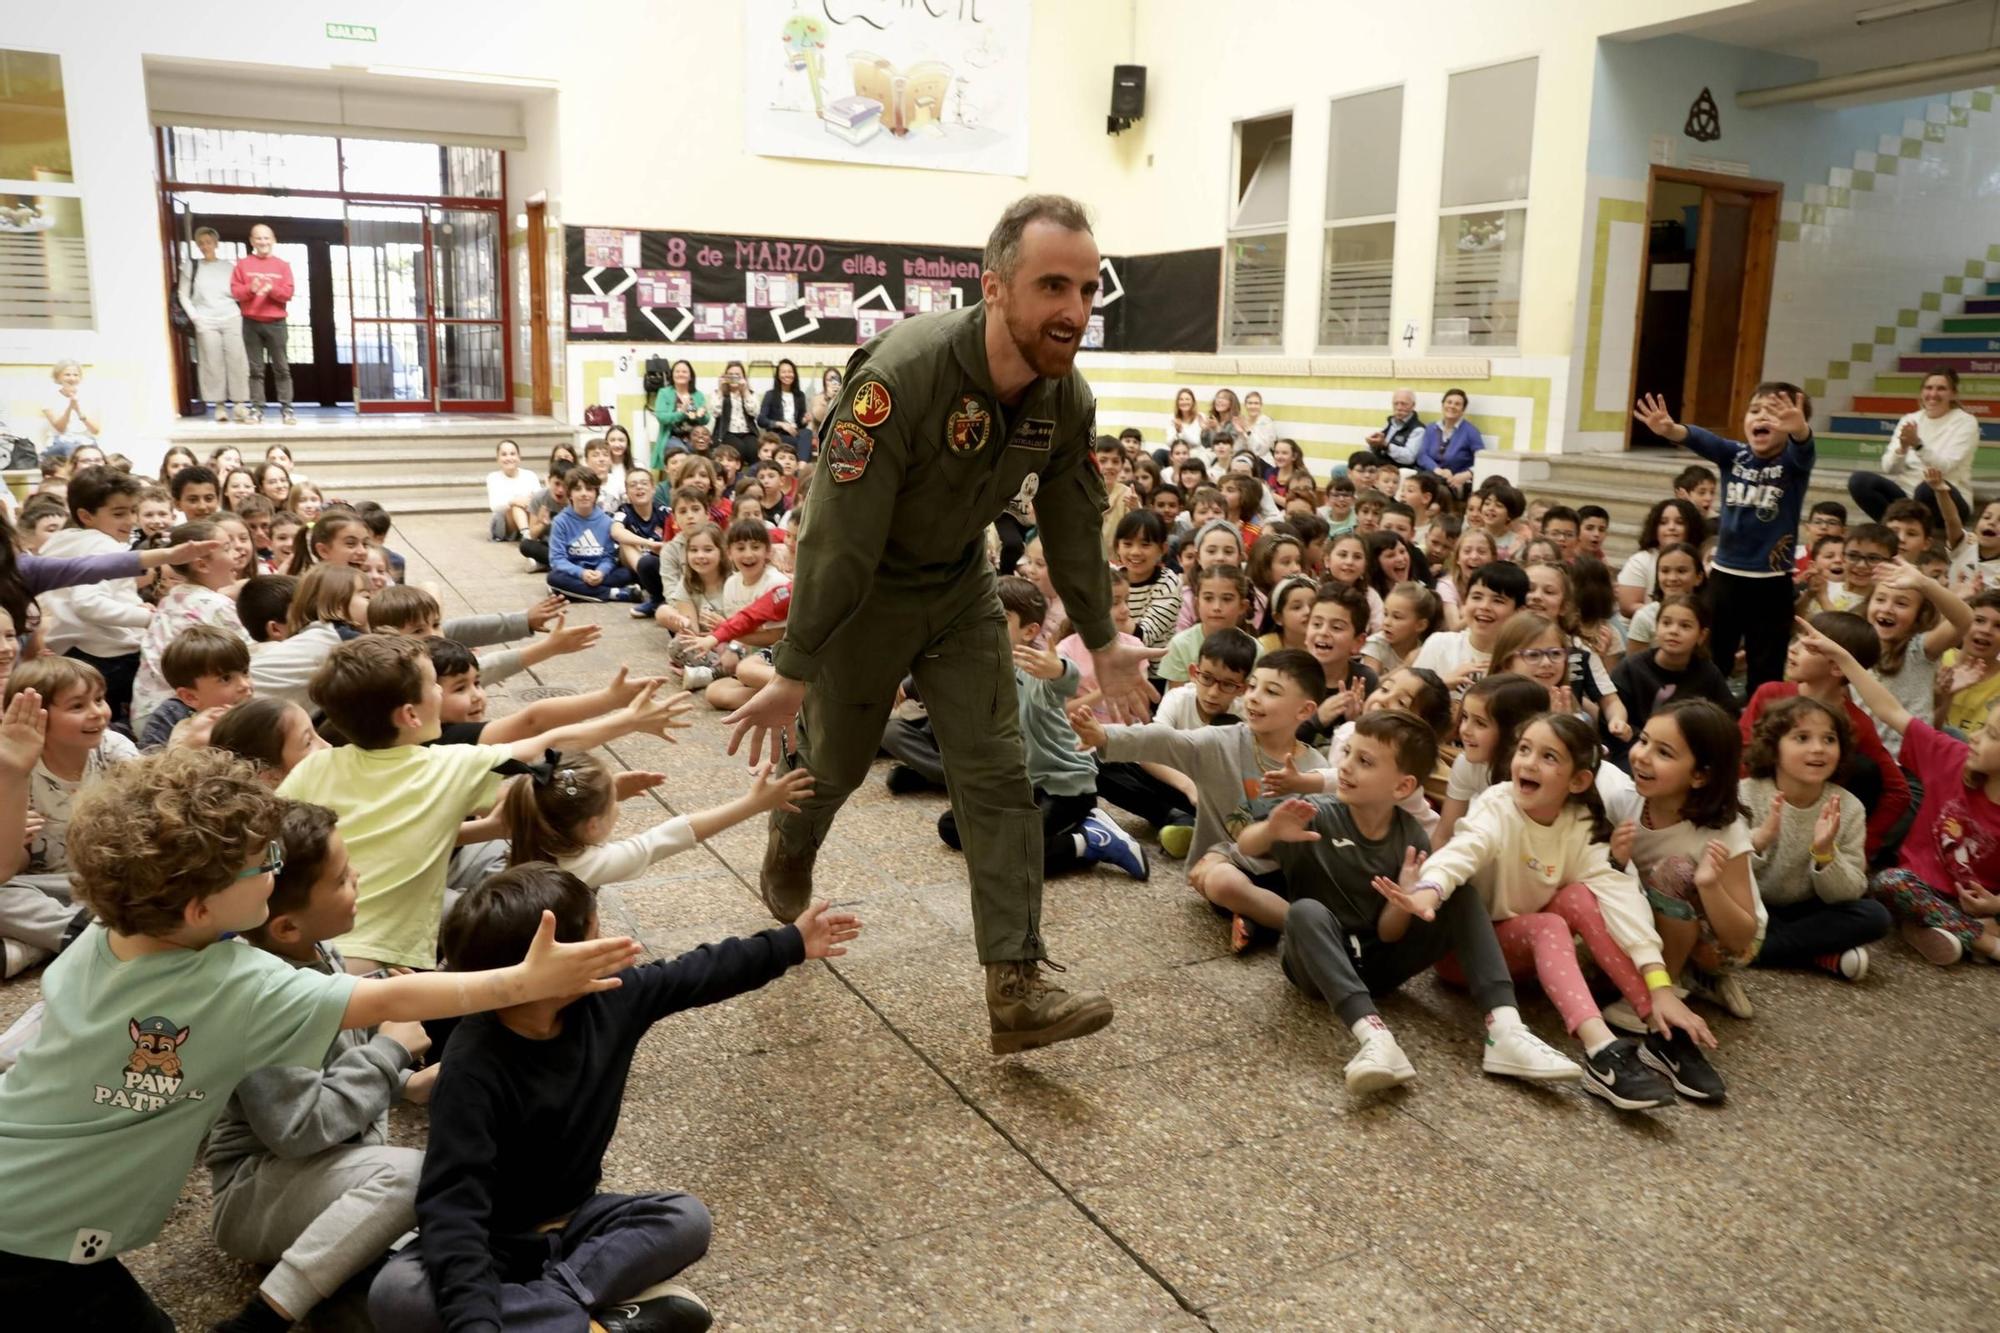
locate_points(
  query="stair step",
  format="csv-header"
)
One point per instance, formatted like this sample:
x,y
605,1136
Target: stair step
x,y
1982,386
1972,322
1947,345
1899,404
1962,363
1883,425
1982,305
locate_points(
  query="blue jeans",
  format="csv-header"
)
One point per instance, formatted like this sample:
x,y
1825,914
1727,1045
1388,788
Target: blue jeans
x,y
571,586
1875,493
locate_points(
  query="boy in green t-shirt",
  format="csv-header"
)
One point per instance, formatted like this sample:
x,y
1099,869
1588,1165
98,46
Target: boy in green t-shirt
x,y
402,802
151,1021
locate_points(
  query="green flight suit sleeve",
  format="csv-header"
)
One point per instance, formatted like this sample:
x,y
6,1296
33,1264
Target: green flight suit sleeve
x,y
1069,518
844,530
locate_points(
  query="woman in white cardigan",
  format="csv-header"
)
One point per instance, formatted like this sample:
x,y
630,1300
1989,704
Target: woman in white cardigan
x,y
1939,434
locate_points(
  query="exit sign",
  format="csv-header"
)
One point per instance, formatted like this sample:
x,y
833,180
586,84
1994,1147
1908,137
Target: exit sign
x,y
351,32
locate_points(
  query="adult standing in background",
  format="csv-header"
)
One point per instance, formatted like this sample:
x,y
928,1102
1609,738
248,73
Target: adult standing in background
x,y
1224,424
1185,426
679,407
1939,434
735,419
261,285
945,419
1402,435
1260,431
784,409
821,407
1450,442
221,366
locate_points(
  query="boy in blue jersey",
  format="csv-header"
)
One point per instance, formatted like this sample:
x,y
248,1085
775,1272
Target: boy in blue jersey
x,y
1763,490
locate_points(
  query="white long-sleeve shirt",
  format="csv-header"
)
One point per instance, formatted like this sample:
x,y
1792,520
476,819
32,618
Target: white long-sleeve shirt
x,y
1950,442
1516,865
611,862
204,292
503,490
105,619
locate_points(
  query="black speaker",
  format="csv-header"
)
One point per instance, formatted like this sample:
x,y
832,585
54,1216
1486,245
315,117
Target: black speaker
x,y
1128,92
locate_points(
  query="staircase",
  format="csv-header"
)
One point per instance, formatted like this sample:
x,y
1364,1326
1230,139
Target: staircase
x,y
1969,343
415,464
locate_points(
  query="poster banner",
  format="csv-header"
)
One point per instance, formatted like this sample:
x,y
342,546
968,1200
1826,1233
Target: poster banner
x,y
685,286
942,84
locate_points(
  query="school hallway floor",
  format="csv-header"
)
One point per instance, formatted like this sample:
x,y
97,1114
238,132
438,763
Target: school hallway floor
x,y
1198,1164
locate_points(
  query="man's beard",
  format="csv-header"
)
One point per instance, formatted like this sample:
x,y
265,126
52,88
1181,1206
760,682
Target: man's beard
x,y
1044,356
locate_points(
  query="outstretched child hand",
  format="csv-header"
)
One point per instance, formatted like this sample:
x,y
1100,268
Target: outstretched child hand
x,y
564,639
624,688
1288,781
653,715
1089,731
696,645
633,781
1653,415
1813,641
22,729
1622,838
553,969
1792,415
1292,822
548,611
1670,1011
780,792
825,932
1402,892
1039,662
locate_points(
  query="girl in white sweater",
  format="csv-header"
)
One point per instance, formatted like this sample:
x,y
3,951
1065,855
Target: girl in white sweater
x,y
1536,851
567,818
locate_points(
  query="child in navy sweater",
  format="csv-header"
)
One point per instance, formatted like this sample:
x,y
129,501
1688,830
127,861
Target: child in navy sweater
x,y
1763,490
583,558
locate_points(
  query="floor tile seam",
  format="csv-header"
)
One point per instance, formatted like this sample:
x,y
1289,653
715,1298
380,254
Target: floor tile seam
x,y
1062,1188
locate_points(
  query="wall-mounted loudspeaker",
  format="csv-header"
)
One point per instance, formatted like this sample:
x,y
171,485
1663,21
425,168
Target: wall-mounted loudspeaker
x,y
1128,97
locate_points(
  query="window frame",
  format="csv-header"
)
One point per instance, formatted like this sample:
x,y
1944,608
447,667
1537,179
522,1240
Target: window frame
x,y
1521,205
1394,218
1232,232
33,344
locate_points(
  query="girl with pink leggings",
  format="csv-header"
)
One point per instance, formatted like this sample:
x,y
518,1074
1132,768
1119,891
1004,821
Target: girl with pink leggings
x,y
1536,850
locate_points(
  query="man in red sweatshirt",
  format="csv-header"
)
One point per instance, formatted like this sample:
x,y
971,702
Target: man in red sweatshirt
x,y
262,284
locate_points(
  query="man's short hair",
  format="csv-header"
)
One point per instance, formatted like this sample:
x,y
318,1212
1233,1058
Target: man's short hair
x,y
95,487
364,681
492,924
1023,599
1413,743
153,834
402,606
203,650
1003,245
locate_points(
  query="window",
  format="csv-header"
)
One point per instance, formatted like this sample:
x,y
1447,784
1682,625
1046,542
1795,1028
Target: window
x,y
1254,284
1483,224
1363,156
46,277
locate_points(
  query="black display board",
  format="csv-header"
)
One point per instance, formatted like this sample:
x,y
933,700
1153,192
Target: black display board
x,y
632,285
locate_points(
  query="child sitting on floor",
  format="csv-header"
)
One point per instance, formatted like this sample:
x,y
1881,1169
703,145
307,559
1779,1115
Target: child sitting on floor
x,y
78,749
512,1229
583,559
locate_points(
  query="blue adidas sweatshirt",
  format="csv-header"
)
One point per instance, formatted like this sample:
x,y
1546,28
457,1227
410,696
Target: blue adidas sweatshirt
x,y
577,544
1761,502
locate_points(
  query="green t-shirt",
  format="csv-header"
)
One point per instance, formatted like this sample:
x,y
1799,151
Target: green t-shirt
x,y
100,1119
399,810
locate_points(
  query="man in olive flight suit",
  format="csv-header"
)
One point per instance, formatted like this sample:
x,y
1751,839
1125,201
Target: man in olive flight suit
x,y
941,422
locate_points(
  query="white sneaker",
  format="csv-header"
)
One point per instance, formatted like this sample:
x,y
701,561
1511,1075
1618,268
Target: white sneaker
x,y
1940,948
1621,1015
1722,989
1379,1064
20,957
697,678
20,1035
1517,1052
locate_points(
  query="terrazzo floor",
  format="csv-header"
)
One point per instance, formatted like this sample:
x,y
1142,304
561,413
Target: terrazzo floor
x,y
1199,1164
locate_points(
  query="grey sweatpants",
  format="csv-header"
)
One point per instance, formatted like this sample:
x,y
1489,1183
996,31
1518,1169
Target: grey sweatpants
x,y
318,1219
1349,970
36,909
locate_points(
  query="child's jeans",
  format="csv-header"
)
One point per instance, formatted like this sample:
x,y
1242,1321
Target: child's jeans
x,y
319,1219
1347,970
1540,944
1914,902
1799,933
48,1293
1130,787
571,586
613,1247
1062,818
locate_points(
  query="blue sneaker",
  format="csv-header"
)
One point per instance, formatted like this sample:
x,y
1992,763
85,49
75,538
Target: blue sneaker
x,y
1105,842
644,610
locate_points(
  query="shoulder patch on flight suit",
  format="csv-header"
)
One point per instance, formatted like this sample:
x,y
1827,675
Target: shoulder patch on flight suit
x,y
871,404
1036,433
847,451
968,429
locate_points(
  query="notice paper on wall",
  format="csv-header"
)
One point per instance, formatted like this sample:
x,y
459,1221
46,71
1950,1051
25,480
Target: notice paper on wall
x,y
596,314
606,247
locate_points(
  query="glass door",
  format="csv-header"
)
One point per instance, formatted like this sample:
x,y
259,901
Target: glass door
x,y
388,291
471,336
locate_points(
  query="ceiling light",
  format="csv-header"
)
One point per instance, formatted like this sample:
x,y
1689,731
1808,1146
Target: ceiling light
x,y
1903,10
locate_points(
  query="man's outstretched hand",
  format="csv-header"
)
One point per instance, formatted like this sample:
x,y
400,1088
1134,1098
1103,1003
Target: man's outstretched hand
x,y
1122,683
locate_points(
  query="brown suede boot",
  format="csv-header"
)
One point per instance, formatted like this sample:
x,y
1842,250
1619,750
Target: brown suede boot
x,y
786,880
1028,1010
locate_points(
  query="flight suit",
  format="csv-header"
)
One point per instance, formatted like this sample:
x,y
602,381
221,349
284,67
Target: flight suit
x,y
917,457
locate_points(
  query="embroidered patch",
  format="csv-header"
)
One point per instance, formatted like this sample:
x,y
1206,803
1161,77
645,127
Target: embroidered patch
x,y
871,404
848,450
1036,433
968,429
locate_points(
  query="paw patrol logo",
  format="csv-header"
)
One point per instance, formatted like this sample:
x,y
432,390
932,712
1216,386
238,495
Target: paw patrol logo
x,y
871,404
968,429
847,451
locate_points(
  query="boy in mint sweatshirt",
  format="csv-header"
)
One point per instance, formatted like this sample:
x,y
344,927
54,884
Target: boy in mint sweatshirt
x,y
583,562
